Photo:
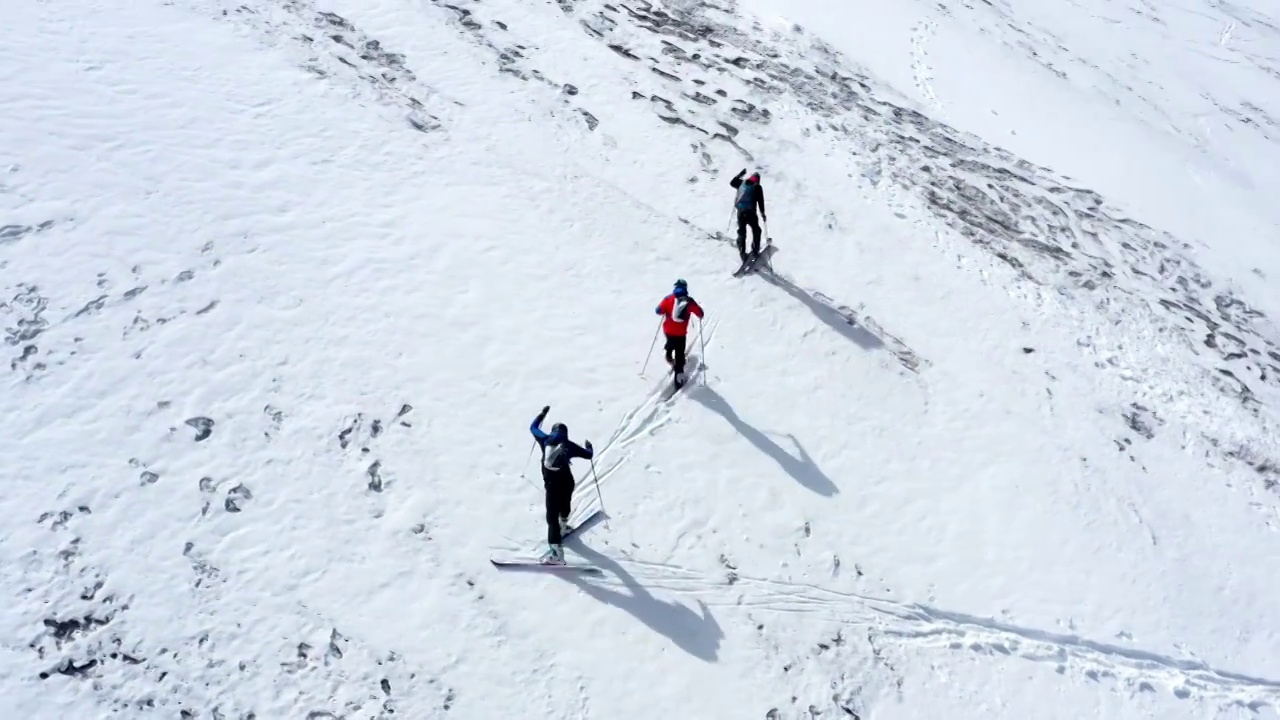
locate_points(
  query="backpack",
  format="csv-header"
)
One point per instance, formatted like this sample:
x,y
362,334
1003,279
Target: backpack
x,y
680,308
747,197
556,458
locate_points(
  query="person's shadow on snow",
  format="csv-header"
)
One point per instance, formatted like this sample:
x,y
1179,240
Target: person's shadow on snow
x,y
828,313
697,634
802,469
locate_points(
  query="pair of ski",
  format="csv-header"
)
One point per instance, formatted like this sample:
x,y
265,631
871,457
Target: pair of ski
x,y
754,260
529,560
672,390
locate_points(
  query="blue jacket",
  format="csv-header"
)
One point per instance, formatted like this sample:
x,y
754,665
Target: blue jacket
x,y
557,448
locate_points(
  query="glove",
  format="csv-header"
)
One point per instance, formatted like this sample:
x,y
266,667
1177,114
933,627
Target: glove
x,y
542,415
587,445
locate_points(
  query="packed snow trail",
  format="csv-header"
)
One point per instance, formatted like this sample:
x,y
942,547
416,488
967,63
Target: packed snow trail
x,y
852,614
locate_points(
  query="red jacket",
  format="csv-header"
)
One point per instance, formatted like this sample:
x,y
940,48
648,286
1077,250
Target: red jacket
x,y
675,311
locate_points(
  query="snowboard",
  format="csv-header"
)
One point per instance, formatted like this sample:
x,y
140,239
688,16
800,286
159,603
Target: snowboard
x,y
533,560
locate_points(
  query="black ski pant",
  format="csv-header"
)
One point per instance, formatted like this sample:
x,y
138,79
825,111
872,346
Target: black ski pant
x,y
748,218
675,354
559,486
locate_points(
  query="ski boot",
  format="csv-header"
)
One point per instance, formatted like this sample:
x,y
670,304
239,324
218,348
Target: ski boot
x,y
554,555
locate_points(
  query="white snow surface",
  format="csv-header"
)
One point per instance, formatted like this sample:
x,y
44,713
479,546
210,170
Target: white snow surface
x,y
283,283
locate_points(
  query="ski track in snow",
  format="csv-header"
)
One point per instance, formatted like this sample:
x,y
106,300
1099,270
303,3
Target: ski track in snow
x,y
923,626
637,424
920,62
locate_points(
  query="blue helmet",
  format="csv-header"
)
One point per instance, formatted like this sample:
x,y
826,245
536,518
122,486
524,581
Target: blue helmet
x,y
681,287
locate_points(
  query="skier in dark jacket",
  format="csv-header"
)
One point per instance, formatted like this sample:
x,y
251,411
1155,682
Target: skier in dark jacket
x,y
557,478
750,197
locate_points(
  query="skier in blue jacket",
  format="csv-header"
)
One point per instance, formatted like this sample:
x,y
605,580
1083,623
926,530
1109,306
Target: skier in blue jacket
x,y
557,479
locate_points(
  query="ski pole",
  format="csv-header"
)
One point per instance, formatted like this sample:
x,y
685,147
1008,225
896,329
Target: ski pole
x,y
524,470
526,467
652,345
702,338
599,497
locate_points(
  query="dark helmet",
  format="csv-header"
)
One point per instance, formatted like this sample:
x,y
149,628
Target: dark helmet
x,y
681,287
755,178
559,431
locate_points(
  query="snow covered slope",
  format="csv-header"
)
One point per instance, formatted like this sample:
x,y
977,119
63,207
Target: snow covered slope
x,y
283,284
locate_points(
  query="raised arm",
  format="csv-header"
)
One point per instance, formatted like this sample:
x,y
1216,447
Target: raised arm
x,y
536,426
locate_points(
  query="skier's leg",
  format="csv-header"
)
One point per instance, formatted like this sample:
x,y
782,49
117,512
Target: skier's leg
x,y
754,221
553,509
679,343
566,498
742,235
669,348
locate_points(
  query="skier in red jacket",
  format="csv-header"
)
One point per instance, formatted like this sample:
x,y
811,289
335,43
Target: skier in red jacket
x,y
675,310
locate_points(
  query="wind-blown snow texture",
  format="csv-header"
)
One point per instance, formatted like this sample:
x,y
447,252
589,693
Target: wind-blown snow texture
x,y
283,282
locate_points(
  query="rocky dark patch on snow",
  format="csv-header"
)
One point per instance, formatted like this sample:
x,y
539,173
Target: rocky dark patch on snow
x,y
1142,420
203,427
83,627
867,668
208,487
375,476
275,418
332,47
345,436
28,352
336,640
13,233
69,629
205,572
1267,468
25,315
731,576
359,431
58,520
92,307
236,498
